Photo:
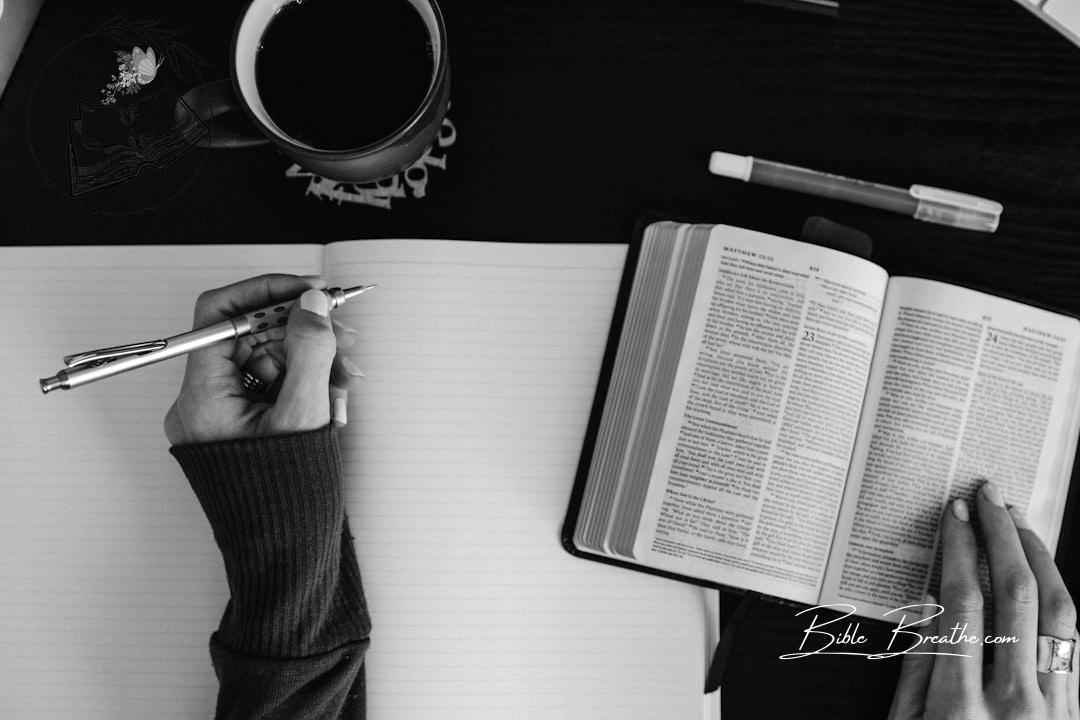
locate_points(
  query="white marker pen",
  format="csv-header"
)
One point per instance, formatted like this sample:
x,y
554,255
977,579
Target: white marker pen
x,y
922,202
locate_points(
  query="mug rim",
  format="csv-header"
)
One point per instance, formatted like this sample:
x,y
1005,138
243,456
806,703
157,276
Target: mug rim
x,y
430,97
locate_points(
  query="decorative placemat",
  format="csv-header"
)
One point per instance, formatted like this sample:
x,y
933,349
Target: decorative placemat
x,y
100,119
409,183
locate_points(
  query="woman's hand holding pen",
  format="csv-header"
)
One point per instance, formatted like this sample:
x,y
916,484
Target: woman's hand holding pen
x,y
1030,600
307,383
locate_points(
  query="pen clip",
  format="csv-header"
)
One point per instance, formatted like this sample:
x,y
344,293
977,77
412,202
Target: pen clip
x,y
93,358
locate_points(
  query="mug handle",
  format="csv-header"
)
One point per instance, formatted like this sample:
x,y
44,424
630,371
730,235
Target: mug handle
x,y
208,102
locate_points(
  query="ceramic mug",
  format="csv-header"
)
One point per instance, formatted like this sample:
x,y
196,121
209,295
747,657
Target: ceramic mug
x,y
214,102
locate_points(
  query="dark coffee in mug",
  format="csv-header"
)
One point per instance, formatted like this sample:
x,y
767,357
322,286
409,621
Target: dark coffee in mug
x,y
342,74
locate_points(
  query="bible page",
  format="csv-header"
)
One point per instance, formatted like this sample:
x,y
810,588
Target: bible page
x,y
965,386
112,580
463,440
758,433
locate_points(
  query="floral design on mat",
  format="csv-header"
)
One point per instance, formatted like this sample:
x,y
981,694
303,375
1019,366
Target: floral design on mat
x,y
134,70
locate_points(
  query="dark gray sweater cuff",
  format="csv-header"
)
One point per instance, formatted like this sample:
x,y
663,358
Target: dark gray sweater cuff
x,y
276,506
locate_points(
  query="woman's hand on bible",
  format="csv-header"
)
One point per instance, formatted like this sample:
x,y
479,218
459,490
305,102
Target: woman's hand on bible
x,y
1029,599
305,382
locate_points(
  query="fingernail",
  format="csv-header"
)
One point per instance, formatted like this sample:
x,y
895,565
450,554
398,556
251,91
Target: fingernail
x,y
345,340
314,280
315,301
960,510
341,415
351,367
991,493
1019,518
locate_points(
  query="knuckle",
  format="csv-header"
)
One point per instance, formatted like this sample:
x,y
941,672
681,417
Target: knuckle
x,y
962,597
952,712
1060,607
1022,711
204,298
168,423
1021,705
1020,588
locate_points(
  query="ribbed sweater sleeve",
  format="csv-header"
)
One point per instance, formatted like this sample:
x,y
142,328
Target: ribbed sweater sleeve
x,y
292,639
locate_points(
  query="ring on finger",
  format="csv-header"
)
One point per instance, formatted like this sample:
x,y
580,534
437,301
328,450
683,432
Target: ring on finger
x,y
1055,655
252,384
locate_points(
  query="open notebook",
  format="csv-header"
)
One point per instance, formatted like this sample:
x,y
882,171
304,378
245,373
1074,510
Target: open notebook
x,y
461,447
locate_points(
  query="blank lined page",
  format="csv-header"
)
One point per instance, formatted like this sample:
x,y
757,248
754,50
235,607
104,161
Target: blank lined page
x,y
112,581
461,449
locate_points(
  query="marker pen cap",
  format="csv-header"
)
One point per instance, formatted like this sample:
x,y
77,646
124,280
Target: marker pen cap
x,y
947,207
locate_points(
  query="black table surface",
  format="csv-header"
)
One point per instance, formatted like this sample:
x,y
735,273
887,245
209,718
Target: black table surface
x,y
575,119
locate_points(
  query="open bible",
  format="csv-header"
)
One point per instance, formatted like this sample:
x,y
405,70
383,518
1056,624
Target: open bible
x,y
787,418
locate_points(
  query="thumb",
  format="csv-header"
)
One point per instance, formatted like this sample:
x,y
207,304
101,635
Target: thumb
x,y
303,403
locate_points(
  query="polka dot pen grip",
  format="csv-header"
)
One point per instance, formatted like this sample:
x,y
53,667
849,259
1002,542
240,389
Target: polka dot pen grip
x,y
265,318
86,367
278,315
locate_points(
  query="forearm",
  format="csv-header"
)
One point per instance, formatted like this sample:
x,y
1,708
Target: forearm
x,y
291,641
